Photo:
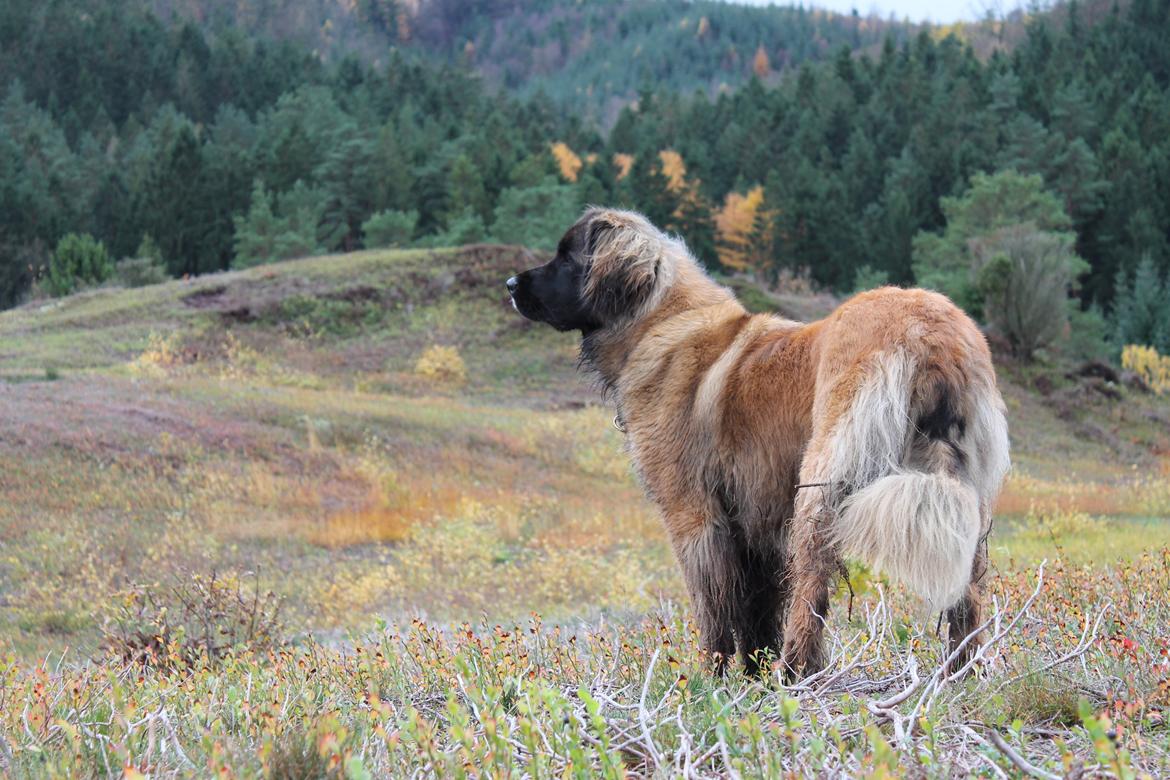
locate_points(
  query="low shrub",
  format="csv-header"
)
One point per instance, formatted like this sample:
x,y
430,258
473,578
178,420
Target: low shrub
x,y
195,621
1055,522
442,365
79,261
1151,368
139,272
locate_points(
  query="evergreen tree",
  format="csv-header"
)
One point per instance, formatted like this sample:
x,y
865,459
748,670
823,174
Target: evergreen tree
x,y
79,261
390,229
535,216
946,262
465,189
1141,314
266,234
650,189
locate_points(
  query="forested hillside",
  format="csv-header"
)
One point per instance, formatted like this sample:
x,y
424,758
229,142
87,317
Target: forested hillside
x,y
590,58
201,151
593,58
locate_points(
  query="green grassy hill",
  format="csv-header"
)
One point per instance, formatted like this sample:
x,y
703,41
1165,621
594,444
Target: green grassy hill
x,y
378,436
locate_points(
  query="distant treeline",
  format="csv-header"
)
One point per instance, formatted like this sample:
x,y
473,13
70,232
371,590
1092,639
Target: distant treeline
x,y
223,149
855,156
593,57
590,57
116,125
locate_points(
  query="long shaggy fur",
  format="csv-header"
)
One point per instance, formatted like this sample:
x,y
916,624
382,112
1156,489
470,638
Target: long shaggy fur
x,y
920,527
885,412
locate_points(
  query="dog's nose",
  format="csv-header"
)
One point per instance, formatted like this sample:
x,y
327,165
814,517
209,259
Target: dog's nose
x,y
512,283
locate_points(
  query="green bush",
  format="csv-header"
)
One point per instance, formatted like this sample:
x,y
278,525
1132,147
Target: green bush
x,y
1024,276
145,267
536,216
139,272
465,228
944,261
1088,335
390,229
79,261
869,278
196,620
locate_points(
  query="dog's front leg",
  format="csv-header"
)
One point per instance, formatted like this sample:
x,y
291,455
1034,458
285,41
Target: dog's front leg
x,y
707,557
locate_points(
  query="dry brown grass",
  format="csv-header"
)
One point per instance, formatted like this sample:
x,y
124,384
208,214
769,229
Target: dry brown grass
x,y
1143,494
384,518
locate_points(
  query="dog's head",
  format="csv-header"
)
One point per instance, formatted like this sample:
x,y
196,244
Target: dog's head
x,y
609,269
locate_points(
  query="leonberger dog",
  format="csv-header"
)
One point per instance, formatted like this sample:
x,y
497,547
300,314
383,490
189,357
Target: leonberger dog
x,y
773,448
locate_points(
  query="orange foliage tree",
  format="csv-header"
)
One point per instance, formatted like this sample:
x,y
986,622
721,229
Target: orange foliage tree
x,y
743,229
623,163
761,65
685,191
567,160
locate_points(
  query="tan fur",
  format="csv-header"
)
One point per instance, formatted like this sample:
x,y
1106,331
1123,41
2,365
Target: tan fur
x,y
727,412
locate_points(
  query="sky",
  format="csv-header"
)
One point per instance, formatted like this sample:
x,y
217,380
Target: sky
x,y
937,11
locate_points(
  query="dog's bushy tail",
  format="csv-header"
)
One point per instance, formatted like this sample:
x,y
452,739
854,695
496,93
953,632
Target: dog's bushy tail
x,y
922,461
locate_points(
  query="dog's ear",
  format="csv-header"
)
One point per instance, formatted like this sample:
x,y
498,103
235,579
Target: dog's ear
x,y
624,261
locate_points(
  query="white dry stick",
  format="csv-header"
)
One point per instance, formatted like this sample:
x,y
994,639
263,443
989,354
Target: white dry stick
x,y
885,708
875,621
931,687
731,771
684,758
644,714
943,675
174,738
1019,761
973,734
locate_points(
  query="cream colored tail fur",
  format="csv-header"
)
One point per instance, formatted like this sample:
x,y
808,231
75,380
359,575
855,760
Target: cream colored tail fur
x,y
920,527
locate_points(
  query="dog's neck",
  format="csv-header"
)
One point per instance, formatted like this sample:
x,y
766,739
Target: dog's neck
x,y
607,350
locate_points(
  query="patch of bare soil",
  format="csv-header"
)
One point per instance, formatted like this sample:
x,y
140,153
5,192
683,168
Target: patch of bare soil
x,y
110,416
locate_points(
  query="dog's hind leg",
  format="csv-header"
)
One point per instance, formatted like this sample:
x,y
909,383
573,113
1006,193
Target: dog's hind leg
x,y
711,572
811,569
965,616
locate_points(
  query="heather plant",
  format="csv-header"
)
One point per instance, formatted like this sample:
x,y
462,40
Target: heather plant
x,y
417,530
1069,679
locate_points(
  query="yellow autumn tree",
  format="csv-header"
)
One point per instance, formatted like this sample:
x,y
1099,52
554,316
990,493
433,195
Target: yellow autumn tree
x,y
675,171
1154,369
623,162
685,191
739,243
567,160
761,65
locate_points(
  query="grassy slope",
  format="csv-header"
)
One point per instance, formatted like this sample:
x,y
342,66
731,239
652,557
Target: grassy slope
x,y
272,421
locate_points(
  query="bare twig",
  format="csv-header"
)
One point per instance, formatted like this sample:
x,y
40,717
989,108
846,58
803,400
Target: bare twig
x,y
1019,761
